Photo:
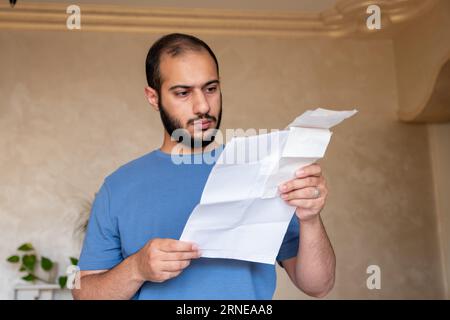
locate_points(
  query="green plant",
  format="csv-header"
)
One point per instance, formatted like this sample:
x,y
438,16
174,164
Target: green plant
x,y
29,259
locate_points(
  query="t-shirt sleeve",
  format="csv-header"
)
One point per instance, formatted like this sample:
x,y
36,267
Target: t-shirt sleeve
x,y
101,247
289,247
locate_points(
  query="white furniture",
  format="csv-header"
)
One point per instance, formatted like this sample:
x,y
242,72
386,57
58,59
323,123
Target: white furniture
x,y
41,292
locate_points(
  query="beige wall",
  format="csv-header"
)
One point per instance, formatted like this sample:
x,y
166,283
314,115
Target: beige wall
x,y
440,155
422,57
73,110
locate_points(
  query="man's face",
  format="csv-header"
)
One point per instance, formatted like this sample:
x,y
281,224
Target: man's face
x,y
190,96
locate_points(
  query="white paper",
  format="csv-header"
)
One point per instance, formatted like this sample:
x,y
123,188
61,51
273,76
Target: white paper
x,y
240,214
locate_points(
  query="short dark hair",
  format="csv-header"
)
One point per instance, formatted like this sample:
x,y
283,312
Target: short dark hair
x,y
172,44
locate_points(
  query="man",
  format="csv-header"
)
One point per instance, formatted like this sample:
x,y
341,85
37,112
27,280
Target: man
x,y
131,248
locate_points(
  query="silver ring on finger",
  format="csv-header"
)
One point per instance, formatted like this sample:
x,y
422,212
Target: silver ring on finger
x,y
316,192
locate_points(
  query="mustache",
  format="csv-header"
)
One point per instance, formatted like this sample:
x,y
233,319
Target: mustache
x,y
205,117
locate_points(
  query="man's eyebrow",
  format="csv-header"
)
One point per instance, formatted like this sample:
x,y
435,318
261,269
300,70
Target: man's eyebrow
x,y
180,86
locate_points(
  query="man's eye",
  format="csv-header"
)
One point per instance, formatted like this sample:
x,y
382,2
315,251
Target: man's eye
x,y
211,89
181,94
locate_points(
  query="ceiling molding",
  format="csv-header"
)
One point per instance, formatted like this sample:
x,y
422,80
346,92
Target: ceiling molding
x,y
435,104
346,18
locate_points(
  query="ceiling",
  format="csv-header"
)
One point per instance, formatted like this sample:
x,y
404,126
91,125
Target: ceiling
x,y
313,6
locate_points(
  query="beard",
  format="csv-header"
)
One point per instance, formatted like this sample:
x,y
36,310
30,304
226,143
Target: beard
x,y
172,124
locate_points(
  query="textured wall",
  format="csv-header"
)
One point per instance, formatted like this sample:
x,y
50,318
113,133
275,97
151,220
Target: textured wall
x,y
440,157
422,61
73,110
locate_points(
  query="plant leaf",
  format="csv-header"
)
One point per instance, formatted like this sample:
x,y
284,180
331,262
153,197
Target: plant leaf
x,y
22,268
29,277
26,247
46,263
14,259
74,261
62,281
29,261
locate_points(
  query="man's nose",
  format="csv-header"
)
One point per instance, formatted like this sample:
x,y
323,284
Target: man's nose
x,y
200,103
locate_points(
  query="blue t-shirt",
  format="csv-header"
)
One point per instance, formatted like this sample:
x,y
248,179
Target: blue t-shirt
x,y
152,197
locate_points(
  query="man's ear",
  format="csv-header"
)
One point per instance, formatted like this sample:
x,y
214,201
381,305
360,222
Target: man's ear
x,y
152,97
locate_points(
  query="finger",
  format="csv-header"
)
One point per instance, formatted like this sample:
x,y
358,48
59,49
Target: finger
x,y
299,183
311,170
171,245
169,275
177,256
304,193
304,203
174,266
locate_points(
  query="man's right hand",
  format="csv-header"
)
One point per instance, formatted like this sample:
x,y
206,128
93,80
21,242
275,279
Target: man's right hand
x,y
162,259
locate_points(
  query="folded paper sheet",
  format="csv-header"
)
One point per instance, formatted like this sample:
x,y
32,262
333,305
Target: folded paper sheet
x,y
240,214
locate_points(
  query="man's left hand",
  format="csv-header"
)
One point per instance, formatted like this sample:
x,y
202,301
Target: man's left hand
x,y
307,191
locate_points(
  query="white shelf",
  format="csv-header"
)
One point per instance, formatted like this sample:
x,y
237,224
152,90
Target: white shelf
x,y
40,291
